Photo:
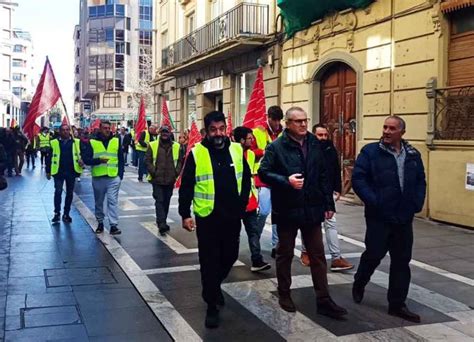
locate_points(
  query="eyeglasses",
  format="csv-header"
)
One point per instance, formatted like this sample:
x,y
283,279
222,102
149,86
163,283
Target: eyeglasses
x,y
299,122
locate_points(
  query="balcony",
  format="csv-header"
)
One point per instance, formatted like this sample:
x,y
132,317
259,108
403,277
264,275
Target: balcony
x,y
454,113
235,32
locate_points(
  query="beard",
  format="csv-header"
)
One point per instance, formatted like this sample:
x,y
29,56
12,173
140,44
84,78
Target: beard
x,y
217,142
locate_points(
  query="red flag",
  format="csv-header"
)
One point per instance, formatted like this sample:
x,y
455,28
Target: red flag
x,y
165,115
193,138
256,111
36,129
229,125
95,124
46,95
65,121
140,126
13,123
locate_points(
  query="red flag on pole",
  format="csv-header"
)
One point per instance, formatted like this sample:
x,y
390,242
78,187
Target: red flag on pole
x,y
229,125
140,126
193,138
165,115
36,130
256,111
65,121
95,124
46,95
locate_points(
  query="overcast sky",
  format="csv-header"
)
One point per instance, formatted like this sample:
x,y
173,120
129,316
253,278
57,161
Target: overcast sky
x,y
51,24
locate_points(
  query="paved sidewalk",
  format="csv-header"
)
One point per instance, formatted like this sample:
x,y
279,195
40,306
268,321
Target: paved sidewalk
x,y
63,282
59,282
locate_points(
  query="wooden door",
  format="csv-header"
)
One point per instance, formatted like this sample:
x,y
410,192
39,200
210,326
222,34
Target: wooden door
x,y
338,113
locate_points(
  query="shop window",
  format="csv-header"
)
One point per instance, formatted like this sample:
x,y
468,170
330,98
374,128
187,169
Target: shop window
x,y
112,100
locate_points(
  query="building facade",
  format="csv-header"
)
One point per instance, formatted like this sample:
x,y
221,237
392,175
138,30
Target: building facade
x,y
10,104
112,42
414,58
23,72
207,53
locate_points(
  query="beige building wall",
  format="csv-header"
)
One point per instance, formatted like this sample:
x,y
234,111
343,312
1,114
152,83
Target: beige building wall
x,y
395,47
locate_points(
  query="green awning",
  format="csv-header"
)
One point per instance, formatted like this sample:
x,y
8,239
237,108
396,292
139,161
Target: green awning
x,y
299,14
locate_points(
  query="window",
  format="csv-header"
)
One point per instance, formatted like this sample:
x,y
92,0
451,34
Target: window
x,y
100,11
17,63
77,69
461,58
92,11
77,86
244,86
129,23
216,8
18,48
78,52
120,10
127,48
16,77
119,35
164,38
145,38
111,100
109,34
190,23
119,47
109,10
16,91
145,12
119,61
119,85
190,106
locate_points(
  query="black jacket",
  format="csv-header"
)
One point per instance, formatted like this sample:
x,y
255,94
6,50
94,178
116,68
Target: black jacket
x,y
375,180
283,158
227,203
126,141
332,163
88,153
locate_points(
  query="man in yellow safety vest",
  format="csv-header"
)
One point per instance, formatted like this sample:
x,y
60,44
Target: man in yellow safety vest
x,y
163,162
216,179
65,165
105,156
244,136
144,140
44,146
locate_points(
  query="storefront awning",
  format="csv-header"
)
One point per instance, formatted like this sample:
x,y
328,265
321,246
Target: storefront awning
x,y
299,14
455,5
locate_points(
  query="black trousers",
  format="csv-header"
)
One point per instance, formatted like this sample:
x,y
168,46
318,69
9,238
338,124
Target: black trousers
x,y
397,239
44,155
162,195
59,180
30,158
218,244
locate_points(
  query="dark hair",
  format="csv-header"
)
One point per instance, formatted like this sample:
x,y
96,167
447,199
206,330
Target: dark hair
x,y
214,116
275,113
105,122
318,125
240,133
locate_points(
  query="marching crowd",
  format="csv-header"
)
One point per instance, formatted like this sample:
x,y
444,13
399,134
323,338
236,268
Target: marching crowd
x,y
289,174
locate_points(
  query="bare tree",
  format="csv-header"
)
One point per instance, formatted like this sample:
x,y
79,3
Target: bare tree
x,y
140,83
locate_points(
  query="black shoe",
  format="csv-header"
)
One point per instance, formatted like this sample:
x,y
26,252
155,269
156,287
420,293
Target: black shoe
x,y
67,218
286,303
164,228
260,266
140,180
56,218
327,307
273,253
100,228
212,318
405,313
220,299
114,230
357,293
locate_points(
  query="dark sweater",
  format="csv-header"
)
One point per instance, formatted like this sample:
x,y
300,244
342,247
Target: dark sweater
x,y
227,203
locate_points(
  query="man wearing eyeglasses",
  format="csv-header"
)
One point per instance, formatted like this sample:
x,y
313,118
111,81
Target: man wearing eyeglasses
x,y
295,169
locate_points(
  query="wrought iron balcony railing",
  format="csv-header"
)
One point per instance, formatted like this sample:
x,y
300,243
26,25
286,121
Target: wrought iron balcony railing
x,y
454,113
243,21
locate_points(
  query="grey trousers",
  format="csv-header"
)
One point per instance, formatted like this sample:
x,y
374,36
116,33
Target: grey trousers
x,y
106,186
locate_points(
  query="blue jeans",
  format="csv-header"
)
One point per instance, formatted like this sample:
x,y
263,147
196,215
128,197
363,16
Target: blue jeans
x,y
254,231
141,164
264,209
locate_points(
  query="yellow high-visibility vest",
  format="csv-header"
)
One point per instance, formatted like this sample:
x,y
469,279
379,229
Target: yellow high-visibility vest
x,y
111,168
44,140
204,190
56,157
139,147
155,145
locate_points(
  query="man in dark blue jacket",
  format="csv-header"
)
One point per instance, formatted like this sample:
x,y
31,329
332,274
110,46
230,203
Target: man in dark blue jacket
x,y
389,177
